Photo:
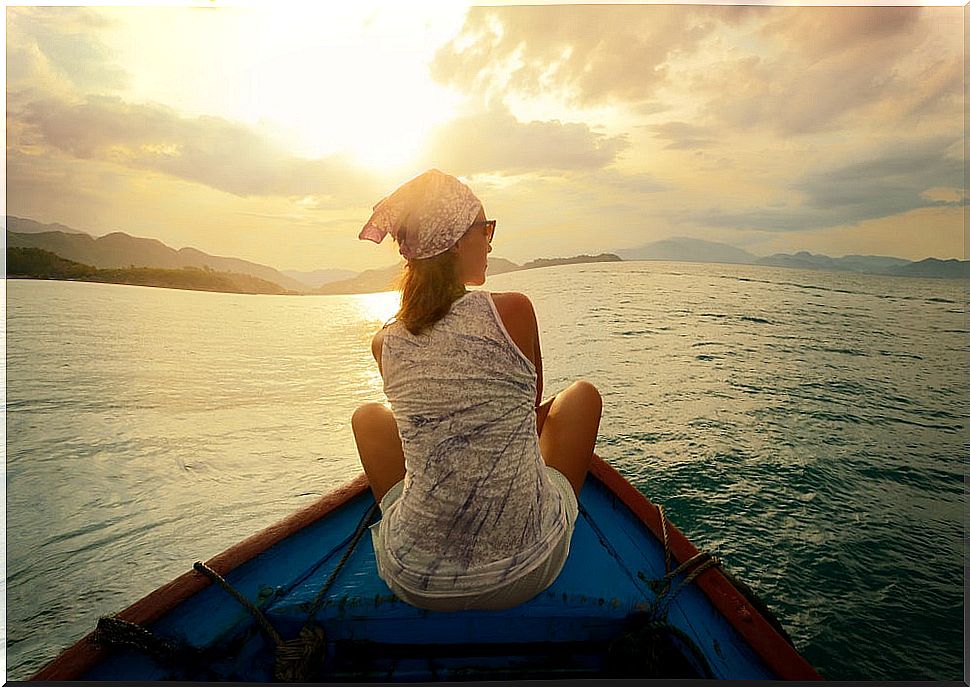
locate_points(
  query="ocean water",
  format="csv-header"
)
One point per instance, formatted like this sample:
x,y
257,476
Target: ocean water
x,y
809,428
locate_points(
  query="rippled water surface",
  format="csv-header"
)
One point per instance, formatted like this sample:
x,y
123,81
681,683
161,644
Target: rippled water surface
x,y
808,427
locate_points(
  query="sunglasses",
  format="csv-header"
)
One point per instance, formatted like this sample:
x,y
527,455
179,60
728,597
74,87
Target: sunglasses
x,y
489,225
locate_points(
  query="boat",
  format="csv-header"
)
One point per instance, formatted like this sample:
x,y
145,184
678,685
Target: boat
x,y
301,601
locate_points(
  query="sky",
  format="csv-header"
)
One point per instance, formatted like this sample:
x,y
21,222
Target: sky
x,y
267,131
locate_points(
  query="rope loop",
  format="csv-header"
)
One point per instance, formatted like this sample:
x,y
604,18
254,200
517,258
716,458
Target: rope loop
x,y
700,562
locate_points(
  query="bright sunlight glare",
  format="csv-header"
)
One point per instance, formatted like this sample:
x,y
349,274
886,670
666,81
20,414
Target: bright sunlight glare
x,y
321,79
378,307
366,92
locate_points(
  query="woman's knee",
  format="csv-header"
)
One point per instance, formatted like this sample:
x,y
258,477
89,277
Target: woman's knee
x,y
369,414
587,394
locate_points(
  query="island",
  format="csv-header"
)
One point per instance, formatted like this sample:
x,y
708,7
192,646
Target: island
x,y
37,263
575,260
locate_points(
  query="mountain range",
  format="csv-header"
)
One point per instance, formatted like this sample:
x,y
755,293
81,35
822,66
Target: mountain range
x,y
682,249
121,250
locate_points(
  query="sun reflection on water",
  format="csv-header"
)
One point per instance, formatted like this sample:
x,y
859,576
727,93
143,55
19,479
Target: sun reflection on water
x,y
378,307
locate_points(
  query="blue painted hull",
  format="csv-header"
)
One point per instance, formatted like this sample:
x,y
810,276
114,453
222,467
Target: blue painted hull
x,y
603,593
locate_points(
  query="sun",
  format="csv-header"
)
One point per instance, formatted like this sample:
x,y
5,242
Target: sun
x,y
365,91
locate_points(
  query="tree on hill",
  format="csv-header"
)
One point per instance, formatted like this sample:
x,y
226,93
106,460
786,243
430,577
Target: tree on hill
x,y
42,264
37,263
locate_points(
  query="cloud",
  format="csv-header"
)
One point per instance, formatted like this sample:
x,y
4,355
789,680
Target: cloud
x,y
684,136
790,70
818,66
58,50
495,141
213,151
820,33
591,54
894,181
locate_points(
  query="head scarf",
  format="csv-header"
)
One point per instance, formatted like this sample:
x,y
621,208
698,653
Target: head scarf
x,y
426,216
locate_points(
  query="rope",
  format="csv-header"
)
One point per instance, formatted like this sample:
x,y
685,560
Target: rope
x,y
642,652
663,527
300,658
358,533
702,560
185,659
666,595
296,660
257,614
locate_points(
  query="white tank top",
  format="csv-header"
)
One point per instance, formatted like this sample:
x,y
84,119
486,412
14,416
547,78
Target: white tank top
x,y
477,509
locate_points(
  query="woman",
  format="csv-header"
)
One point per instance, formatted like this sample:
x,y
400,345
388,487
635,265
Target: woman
x,y
477,481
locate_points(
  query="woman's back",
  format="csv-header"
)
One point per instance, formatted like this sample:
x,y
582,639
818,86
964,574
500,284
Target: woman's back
x,y
477,507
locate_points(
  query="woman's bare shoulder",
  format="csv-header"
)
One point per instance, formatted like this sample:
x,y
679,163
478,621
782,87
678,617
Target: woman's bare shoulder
x,y
377,343
513,304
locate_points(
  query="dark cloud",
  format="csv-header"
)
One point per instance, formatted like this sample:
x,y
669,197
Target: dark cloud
x,y
495,141
224,155
893,182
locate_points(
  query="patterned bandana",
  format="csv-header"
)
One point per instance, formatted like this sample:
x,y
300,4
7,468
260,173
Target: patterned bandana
x,y
426,216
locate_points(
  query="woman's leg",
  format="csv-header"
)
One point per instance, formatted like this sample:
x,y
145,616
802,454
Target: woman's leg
x,y
379,446
567,432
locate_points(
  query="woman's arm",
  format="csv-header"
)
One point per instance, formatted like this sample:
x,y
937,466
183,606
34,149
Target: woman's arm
x,y
376,345
519,318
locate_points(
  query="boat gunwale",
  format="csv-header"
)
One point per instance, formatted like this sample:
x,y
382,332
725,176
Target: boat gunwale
x,y
85,653
734,606
736,609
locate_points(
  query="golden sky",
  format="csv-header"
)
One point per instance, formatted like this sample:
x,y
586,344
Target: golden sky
x,y
266,131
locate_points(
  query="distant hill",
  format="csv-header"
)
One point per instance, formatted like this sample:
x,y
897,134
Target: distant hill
x,y
36,263
682,249
872,264
318,278
118,250
576,260
21,225
868,264
695,250
500,266
368,281
385,278
932,267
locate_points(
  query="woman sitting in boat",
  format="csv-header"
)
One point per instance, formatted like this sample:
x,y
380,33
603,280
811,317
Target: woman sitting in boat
x,y
477,481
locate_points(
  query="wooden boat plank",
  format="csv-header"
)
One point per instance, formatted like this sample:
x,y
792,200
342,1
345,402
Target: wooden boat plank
x,y
780,656
599,586
84,654
735,634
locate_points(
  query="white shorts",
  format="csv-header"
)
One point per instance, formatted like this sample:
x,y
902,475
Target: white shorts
x,y
511,594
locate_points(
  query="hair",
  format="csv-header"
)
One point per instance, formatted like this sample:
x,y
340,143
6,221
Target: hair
x,y
428,288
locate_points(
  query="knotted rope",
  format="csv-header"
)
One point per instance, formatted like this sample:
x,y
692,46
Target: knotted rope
x,y
699,562
647,650
174,654
300,658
